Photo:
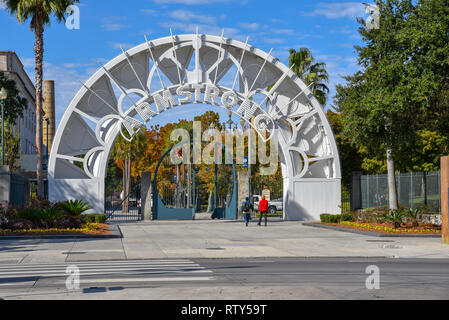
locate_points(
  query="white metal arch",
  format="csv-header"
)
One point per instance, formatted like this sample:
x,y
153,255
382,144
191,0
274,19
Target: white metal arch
x,y
162,74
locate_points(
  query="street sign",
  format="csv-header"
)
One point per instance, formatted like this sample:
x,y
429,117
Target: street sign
x,y
245,163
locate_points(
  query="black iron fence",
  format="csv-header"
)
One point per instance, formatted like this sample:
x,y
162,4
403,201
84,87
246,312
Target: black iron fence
x,y
414,189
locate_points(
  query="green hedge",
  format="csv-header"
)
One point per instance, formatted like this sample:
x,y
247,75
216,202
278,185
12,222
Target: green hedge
x,y
93,217
346,217
335,218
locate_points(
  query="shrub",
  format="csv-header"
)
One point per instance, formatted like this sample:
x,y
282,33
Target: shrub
x,y
51,215
330,218
32,214
346,217
395,216
413,214
74,208
93,217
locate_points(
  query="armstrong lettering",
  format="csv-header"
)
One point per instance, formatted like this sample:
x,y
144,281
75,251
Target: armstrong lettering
x,y
152,105
208,94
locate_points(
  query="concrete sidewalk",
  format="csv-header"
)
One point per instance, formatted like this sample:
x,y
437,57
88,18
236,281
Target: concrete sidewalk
x,y
218,239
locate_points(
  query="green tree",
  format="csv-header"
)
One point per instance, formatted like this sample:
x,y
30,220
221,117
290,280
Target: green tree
x,y
12,147
124,153
350,158
14,107
377,103
14,103
427,33
39,12
310,72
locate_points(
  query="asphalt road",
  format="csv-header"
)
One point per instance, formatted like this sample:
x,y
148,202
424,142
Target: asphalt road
x,y
284,278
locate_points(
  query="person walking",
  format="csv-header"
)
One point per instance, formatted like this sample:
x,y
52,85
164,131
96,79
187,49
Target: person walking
x,y
247,207
263,209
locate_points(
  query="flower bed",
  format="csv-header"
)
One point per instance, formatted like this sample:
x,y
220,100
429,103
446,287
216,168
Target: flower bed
x,y
385,228
88,228
403,220
42,217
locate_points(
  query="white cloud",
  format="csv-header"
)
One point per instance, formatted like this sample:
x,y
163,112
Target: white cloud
x,y
273,40
113,23
250,26
113,26
185,15
283,31
339,10
149,12
181,27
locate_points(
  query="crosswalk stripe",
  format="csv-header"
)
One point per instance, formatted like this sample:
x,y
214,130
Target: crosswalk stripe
x,y
100,273
159,279
115,271
62,272
108,263
100,268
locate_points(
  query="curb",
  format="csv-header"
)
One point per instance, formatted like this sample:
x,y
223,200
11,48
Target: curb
x,y
370,233
113,229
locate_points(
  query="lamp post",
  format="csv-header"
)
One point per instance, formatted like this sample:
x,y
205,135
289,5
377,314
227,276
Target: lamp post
x,y
242,122
3,96
230,122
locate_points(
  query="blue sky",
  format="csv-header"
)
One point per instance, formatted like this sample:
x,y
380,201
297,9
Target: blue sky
x,y
328,28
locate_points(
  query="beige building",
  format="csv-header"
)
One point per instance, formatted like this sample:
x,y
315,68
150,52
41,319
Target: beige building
x,y
12,67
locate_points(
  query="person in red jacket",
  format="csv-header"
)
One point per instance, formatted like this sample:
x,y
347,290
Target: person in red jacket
x,y
263,209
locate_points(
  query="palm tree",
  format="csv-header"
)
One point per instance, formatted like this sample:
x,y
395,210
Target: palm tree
x,y
127,151
310,72
39,11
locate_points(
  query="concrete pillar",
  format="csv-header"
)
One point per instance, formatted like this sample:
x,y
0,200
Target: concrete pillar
x,y
146,191
49,109
445,199
356,195
5,185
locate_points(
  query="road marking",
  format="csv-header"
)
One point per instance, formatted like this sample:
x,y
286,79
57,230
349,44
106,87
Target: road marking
x,y
159,279
157,269
111,263
22,283
98,272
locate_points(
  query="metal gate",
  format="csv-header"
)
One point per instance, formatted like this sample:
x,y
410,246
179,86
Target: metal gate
x,y
114,205
178,189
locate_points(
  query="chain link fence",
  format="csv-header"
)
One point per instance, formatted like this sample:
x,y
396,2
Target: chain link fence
x,y
414,189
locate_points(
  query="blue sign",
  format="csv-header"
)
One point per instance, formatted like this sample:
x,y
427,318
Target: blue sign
x,y
245,163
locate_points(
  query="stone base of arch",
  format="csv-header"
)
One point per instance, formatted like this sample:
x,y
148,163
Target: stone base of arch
x,y
75,189
306,199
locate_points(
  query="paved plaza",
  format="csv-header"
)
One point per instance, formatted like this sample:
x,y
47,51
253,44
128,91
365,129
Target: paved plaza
x,y
218,239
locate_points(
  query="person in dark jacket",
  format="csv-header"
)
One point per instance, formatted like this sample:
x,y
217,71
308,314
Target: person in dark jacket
x,y
263,210
247,208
